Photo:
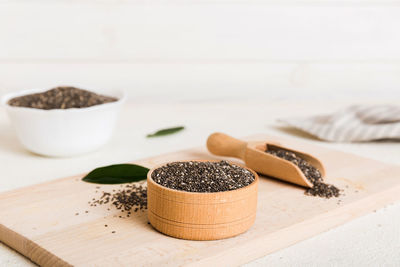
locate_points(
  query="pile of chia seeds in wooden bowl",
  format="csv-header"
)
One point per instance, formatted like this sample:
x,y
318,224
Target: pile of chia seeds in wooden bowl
x,y
203,177
63,97
319,188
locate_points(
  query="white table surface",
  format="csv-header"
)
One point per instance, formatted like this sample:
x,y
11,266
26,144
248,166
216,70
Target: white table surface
x,y
372,240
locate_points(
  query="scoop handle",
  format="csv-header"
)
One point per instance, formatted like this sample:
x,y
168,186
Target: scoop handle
x,y
221,144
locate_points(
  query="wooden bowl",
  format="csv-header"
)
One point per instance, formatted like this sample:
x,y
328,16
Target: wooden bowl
x,y
201,216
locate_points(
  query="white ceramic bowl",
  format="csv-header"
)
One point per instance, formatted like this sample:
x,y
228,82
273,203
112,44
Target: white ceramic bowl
x,y
64,132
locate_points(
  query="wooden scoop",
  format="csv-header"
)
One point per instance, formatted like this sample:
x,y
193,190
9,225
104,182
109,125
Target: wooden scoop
x,y
255,158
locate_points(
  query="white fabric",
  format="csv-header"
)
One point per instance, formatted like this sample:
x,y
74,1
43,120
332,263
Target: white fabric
x,y
352,124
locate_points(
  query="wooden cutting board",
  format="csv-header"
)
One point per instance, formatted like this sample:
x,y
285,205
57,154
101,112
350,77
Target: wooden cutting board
x,y
40,222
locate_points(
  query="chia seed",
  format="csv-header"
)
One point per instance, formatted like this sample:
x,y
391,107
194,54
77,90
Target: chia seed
x,y
319,188
204,177
129,197
63,97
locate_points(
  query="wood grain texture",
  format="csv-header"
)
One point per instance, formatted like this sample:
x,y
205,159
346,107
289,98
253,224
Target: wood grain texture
x,y
40,222
207,31
200,216
212,79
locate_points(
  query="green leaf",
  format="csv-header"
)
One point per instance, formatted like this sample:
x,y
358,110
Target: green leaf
x,y
166,131
117,174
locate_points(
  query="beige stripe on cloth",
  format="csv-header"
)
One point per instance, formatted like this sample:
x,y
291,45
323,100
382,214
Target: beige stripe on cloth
x,y
352,124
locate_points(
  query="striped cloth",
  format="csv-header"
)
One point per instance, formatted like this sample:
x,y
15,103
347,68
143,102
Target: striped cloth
x,y
353,124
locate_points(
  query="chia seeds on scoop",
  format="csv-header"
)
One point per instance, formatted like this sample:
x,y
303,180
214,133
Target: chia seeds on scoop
x,y
310,172
205,177
62,97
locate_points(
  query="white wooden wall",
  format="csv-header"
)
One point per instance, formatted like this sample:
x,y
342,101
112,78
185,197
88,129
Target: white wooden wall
x,y
198,48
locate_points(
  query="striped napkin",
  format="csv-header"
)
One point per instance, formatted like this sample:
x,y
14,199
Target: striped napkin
x,y
352,124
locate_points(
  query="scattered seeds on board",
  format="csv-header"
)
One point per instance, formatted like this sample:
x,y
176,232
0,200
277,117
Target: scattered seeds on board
x,y
62,97
128,197
195,176
319,188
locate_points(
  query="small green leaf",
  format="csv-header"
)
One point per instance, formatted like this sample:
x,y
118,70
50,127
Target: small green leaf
x,y
117,174
166,131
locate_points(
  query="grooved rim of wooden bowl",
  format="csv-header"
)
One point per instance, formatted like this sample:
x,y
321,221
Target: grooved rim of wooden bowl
x,y
175,191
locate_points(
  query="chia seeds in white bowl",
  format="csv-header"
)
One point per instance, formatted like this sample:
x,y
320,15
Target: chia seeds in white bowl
x,y
61,132
62,97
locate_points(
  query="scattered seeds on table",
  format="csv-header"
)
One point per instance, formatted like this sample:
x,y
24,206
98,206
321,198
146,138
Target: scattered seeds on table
x,y
195,176
319,188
